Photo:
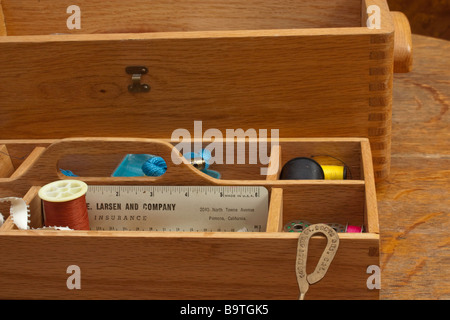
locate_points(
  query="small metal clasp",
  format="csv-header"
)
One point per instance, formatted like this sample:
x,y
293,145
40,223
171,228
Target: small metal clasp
x,y
136,73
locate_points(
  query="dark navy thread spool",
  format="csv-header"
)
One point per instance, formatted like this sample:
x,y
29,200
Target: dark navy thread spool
x,y
302,169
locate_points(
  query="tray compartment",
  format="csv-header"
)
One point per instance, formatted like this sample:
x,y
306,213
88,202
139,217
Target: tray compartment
x,y
192,265
179,265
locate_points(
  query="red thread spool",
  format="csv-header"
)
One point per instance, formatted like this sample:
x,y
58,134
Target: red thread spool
x,y
65,204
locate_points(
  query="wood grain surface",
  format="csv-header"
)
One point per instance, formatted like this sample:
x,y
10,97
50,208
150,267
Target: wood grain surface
x,y
179,266
2,21
182,15
427,17
414,202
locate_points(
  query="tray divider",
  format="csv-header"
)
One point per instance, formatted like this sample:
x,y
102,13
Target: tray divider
x,y
6,166
274,164
370,204
29,161
275,217
34,202
2,22
8,225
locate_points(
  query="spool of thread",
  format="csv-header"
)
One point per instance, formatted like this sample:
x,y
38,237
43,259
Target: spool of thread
x,y
340,228
308,169
201,162
64,204
296,226
334,172
302,169
353,229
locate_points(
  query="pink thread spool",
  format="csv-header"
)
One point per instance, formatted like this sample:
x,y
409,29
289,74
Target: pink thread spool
x,y
353,229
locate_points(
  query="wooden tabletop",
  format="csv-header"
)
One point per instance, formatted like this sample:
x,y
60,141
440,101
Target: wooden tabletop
x,y
414,202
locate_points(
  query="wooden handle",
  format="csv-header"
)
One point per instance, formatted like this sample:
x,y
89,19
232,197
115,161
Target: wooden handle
x,y
179,170
403,57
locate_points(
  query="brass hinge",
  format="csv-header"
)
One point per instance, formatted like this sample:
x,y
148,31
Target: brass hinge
x,y
136,73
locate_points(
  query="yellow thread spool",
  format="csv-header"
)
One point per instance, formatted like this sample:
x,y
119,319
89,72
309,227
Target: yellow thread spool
x,y
334,172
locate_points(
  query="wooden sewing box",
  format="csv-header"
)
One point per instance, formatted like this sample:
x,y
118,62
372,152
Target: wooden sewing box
x,y
133,72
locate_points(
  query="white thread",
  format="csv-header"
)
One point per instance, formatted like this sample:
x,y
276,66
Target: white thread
x,y
19,212
20,215
53,228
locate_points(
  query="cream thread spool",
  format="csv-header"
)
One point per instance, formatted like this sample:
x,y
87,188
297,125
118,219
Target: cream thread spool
x,y
64,204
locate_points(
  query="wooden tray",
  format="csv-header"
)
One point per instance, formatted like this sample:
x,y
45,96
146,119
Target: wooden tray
x,y
308,68
188,265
